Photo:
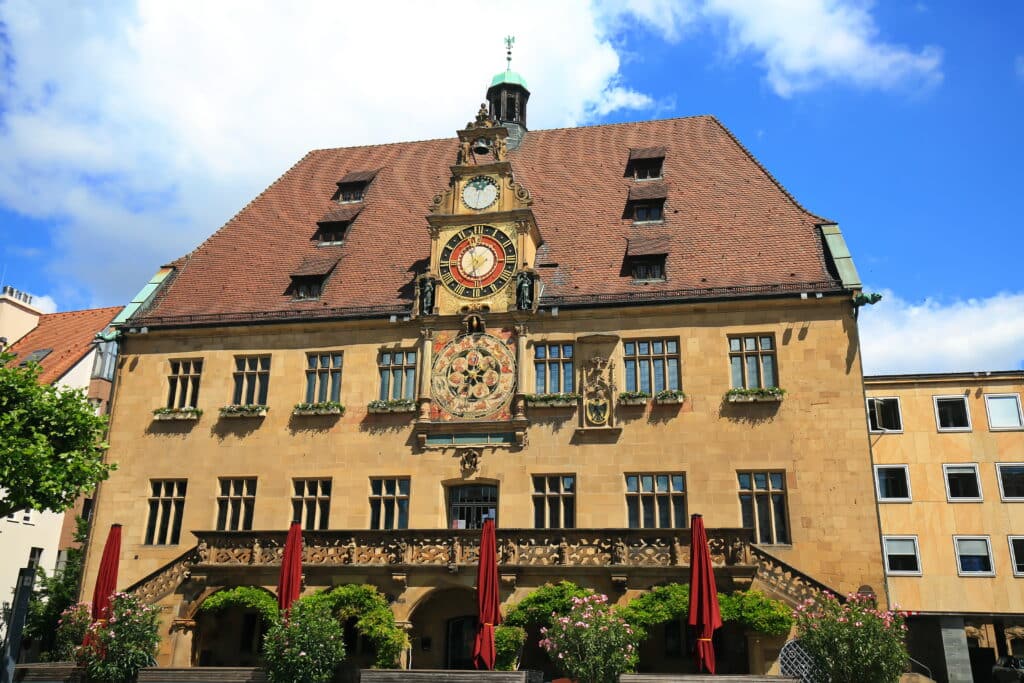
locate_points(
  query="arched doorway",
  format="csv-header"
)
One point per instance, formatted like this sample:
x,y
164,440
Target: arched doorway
x,y
232,636
443,629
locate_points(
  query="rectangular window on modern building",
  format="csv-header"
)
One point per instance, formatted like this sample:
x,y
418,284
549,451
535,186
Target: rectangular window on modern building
x,y
236,499
656,500
553,368
389,503
752,362
962,483
1017,555
323,376
884,415
1011,481
311,503
1004,411
554,501
901,555
892,482
763,505
973,555
397,375
651,365
183,383
166,507
952,414
252,380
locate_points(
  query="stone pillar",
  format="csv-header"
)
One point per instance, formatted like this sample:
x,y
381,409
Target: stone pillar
x,y
954,649
182,632
426,361
519,407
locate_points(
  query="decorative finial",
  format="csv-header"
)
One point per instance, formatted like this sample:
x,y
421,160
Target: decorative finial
x,y
509,42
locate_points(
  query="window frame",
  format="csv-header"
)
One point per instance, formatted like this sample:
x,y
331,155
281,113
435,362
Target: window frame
x,y
878,486
323,520
640,495
242,498
754,492
324,375
743,353
899,411
307,287
245,372
561,362
193,388
649,262
104,363
547,496
333,229
917,555
999,480
665,356
973,537
647,205
450,503
636,165
173,535
977,475
407,394
1020,413
967,410
395,497
1013,556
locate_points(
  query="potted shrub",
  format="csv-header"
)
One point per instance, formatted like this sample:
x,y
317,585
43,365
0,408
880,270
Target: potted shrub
x,y
508,646
667,397
116,648
852,641
321,408
396,405
247,410
570,400
591,644
183,413
757,395
305,647
633,398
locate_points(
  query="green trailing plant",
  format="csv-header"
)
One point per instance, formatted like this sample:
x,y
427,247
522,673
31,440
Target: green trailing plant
x,y
853,641
757,612
537,609
244,597
51,442
374,619
69,633
552,398
657,606
306,647
669,394
592,643
380,404
633,395
53,597
184,410
116,648
243,409
758,392
323,405
508,645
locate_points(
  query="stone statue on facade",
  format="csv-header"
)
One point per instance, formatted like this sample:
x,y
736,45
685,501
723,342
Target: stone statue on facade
x,y
427,296
524,291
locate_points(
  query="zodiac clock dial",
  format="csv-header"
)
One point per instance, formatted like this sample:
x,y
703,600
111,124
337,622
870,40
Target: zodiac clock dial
x,y
480,192
477,261
473,376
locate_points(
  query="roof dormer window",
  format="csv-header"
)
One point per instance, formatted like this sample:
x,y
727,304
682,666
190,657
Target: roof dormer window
x,y
352,188
331,233
36,356
306,287
645,163
647,268
647,211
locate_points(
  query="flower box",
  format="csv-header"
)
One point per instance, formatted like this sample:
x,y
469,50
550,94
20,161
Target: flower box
x,y
769,395
398,406
244,411
633,398
552,400
669,397
168,414
325,408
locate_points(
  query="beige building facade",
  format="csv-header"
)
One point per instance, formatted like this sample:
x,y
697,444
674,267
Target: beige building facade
x,y
949,467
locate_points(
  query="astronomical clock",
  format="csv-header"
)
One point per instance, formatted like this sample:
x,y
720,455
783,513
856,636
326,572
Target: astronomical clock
x,y
481,285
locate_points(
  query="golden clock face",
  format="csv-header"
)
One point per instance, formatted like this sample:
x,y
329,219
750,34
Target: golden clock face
x,y
477,261
473,376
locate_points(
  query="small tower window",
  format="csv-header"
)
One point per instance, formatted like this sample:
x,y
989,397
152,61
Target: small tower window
x,y
648,267
648,211
306,287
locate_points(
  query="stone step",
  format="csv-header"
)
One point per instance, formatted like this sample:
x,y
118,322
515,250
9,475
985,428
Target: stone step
x,y
699,678
203,674
447,676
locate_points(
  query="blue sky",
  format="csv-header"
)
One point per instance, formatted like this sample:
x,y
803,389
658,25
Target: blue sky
x,y
130,131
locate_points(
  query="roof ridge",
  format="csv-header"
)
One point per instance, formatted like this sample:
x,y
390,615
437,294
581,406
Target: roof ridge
x,y
81,311
768,173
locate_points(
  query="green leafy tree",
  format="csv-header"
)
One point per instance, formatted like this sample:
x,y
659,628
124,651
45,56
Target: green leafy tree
x,y
51,442
53,595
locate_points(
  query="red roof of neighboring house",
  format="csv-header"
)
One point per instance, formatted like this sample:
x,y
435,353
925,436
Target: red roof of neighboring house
x,y
68,335
728,222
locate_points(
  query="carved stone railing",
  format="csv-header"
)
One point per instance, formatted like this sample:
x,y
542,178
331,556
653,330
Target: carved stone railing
x,y
165,580
451,548
785,579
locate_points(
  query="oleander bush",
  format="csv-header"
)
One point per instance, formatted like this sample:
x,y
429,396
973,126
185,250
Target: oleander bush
x,y
114,649
307,646
592,643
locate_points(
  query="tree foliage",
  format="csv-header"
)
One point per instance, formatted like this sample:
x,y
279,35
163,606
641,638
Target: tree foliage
x,y
53,595
306,647
537,608
51,442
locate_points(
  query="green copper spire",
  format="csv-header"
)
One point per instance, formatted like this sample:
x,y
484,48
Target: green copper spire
x,y
508,75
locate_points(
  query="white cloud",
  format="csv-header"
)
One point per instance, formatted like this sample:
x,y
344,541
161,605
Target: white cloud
x,y
805,43
45,303
931,336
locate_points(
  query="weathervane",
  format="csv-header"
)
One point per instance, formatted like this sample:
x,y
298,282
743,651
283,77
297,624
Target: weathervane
x,y
509,42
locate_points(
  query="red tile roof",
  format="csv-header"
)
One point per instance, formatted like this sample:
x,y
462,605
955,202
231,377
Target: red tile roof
x,y
70,335
728,222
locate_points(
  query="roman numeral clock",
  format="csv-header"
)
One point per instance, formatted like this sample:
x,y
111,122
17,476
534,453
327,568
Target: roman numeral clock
x,y
481,285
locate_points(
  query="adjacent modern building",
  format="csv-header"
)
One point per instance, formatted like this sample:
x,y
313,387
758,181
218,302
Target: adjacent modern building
x,y
949,476
586,334
66,347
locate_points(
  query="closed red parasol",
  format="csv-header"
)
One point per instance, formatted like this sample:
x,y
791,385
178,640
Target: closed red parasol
x,y
705,616
106,579
487,599
289,584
